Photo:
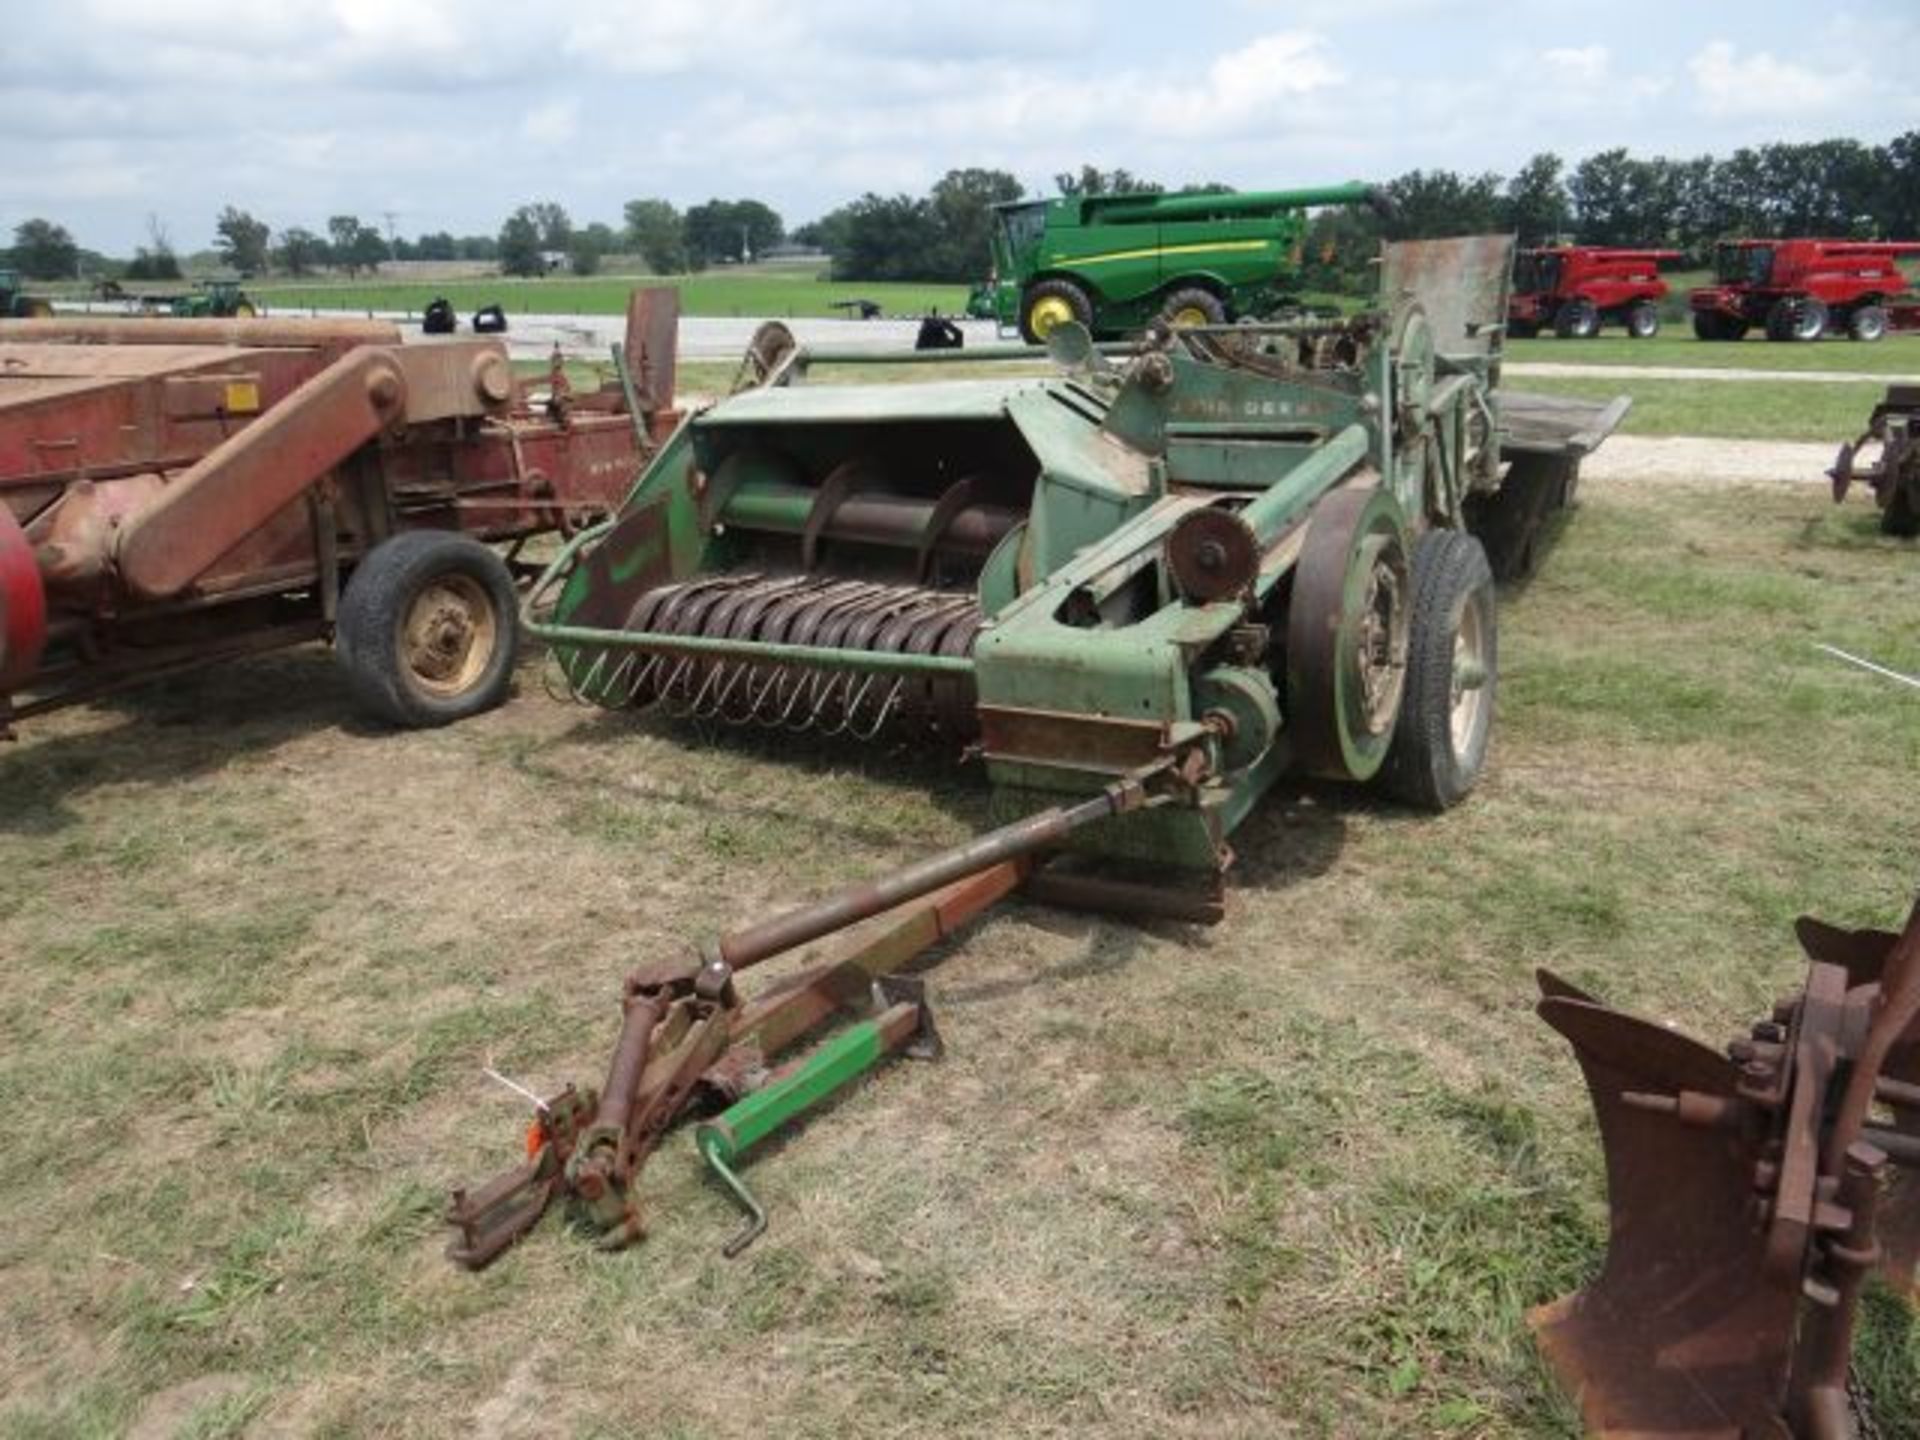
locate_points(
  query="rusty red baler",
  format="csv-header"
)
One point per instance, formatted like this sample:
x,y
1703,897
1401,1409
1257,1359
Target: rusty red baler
x,y
177,492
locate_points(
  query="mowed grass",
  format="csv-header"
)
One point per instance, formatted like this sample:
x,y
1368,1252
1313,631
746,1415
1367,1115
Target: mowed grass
x,y
1733,409
1299,1174
1896,356
774,293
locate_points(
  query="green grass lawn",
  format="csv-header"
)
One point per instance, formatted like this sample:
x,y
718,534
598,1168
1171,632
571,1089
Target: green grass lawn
x,y
1897,355
715,292
1740,410
1302,1173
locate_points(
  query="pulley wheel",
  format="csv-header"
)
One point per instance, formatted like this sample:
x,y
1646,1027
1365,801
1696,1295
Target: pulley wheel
x,y
1212,554
1347,629
23,606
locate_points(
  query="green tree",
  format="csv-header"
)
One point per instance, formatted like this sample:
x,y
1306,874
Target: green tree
x,y
554,225
657,233
354,246
435,245
301,250
1091,180
1535,204
887,238
589,246
520,244
241,241
43,250
961,211
1427,203
722,231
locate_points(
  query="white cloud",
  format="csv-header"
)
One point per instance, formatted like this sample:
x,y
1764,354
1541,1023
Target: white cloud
x,y
1585,65
552,124
1729,85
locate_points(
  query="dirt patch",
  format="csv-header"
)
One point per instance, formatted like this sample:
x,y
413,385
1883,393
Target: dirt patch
x,y
1550,369
1708,461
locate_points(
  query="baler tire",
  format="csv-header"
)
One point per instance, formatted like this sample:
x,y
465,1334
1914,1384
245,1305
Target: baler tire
x,y
1065,291
1192,300
1868,323
1440,750
377,627
1577,320
1643,321
1901,518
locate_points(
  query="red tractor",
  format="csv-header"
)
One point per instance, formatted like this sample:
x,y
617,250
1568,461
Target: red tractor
x,y
1575,289
1802,289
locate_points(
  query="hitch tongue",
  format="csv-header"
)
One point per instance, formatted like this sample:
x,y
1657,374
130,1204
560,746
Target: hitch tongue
x,y
494,1214
904,1025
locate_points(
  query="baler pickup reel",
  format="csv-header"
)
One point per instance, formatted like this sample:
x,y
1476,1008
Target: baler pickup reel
x,y
1752,1195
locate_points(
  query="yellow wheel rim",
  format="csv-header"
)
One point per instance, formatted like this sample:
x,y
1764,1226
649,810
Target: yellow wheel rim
x,y
1047,312
448,636
243,311
39,310
1190,315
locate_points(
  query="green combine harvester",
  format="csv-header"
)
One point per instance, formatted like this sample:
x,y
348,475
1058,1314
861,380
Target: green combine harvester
x,y
1139,591
1114,263
16,304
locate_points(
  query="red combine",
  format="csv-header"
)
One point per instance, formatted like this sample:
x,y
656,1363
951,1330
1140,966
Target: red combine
x,y
177,492
1802,289
1573,290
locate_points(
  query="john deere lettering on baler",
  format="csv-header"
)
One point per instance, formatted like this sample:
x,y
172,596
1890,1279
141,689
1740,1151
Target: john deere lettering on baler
x,y
175,492
1140,593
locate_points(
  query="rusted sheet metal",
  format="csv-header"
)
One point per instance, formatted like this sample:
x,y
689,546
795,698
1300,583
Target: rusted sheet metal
x,y
1460,282
340,335
1069,739
1748,1201
653,346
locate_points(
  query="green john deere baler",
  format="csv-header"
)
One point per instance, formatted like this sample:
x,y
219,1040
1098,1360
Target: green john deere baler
x,y
1139,590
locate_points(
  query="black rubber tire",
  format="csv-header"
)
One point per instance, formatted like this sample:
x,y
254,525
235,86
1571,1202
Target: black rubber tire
x,y
374,610
1707,325
1192,297
1868,323
1066,290
1901,518
1424,768
1643,320
1781,317
1577,320
1522,329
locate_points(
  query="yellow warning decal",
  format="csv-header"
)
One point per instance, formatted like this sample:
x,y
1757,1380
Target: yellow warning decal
x,y
243,397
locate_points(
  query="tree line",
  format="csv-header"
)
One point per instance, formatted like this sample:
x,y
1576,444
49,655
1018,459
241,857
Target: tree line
x,y
1826,187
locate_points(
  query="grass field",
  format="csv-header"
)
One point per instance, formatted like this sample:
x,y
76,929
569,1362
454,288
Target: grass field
x,y
1298,1174
1897,355
757,293
1738,410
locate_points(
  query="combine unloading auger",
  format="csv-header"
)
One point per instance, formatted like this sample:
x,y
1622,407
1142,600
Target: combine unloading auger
x,y
1752,1195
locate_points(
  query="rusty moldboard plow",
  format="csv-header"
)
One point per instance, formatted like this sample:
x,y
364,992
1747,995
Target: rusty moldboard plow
x,y
1752,1195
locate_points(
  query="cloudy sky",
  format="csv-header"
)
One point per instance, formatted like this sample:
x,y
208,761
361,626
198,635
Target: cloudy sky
x,y
448,113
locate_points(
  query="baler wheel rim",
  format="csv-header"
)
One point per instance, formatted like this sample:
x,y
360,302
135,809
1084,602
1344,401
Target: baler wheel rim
x,y
448,635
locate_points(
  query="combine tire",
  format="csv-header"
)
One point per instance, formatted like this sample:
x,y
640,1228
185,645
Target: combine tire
x,y
1868,323
245,311
1577,320
1194,306
1446,718
1643,321
37,309
428,629
1522,329
1797,319
1051,303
